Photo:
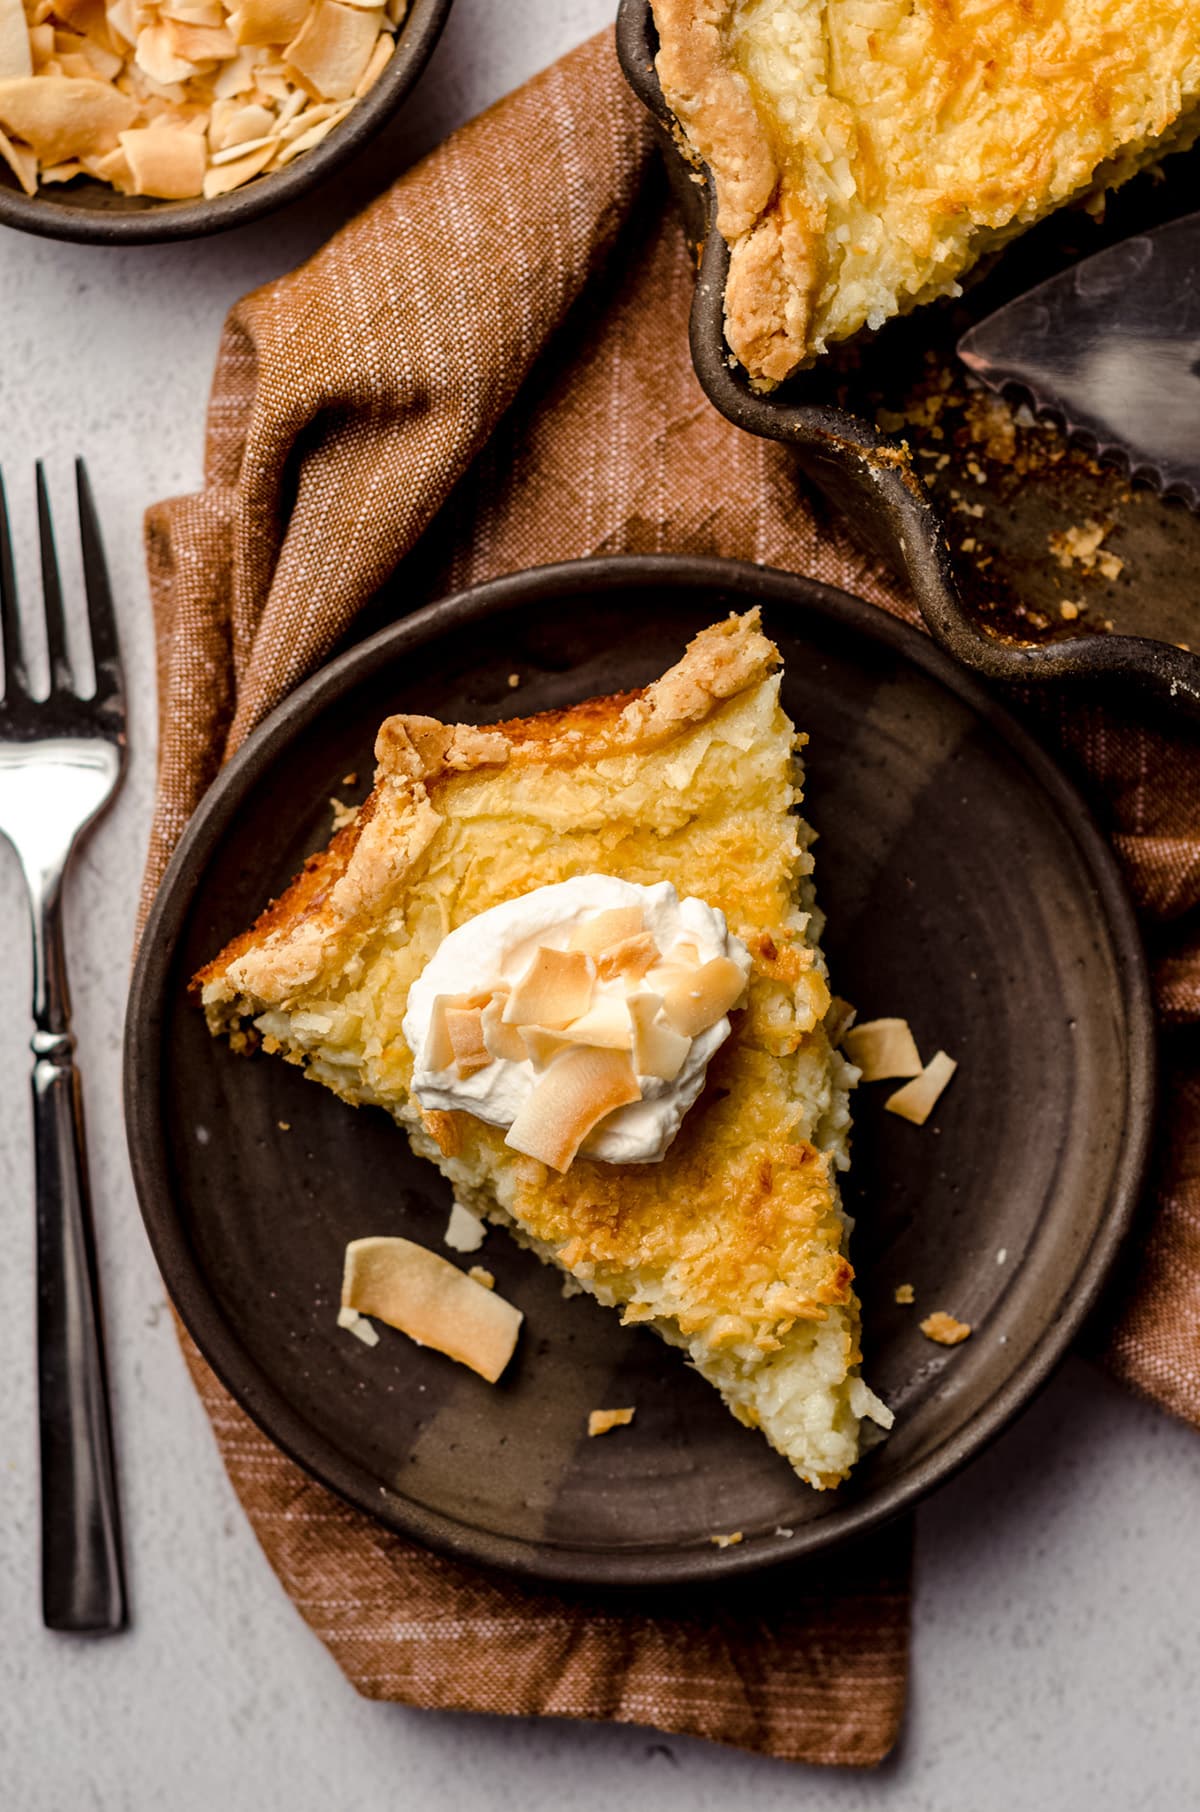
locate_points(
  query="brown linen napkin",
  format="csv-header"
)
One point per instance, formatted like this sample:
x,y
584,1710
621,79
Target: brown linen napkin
x,y
489,370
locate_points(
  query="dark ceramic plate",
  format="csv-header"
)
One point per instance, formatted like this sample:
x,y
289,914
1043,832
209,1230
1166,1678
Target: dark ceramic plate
x,y
965,888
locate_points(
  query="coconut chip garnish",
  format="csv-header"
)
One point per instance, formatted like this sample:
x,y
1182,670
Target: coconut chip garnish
x,y
882,1049
180,98
601,1421
430,1300
918,1098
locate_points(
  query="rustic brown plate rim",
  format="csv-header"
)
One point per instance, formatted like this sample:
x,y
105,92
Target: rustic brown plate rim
x,y
217,1340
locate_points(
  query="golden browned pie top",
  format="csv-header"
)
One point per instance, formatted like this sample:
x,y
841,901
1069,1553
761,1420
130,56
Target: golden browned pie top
x,y
736,1236
867,152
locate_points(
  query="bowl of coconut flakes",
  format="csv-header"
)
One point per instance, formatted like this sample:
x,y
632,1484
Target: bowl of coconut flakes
x,y
142,120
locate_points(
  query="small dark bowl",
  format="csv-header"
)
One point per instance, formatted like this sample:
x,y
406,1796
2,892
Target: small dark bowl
x,y
866,475
93,214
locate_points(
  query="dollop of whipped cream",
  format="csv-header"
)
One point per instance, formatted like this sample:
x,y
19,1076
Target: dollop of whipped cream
x,y
535,1014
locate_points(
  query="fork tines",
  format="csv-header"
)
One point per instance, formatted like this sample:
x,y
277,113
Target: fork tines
x,y
102,626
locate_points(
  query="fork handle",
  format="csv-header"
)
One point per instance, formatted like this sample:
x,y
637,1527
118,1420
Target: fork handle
x,y
83,1586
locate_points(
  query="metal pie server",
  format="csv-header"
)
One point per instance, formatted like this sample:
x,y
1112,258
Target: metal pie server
x,y
1111,349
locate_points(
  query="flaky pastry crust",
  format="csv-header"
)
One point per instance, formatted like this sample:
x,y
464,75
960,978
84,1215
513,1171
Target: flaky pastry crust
x,y
347,885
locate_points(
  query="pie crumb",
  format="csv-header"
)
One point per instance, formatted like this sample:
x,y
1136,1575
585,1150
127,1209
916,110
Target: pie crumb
x,y
482,1276
350,779
284,1125
358,1325
464,1230
904,1292
342,814
944,1329
726,1541
514,680
784,1532
601,1420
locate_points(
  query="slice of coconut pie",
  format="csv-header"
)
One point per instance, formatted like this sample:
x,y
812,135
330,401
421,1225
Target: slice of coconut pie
x,y
576,957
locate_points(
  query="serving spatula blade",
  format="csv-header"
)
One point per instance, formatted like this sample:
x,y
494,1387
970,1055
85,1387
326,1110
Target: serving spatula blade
x,y
1111,349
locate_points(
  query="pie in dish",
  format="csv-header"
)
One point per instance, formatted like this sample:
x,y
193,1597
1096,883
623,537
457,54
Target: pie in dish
x,y
867,152
733,1244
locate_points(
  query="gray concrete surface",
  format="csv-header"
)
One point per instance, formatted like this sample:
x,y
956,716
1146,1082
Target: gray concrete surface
x,y
1057,1641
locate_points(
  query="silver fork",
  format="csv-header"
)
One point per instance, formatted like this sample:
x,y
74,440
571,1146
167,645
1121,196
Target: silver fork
x,y
61,760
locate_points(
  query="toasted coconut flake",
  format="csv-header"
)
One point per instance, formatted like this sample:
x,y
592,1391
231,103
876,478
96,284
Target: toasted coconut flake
x,y
359,1326
59,117
62,172
121,16
93,59
464,1230
232,175
464,1027
918,1098
883,1048
542,1046
683,953
166,161
292,125
238,76
629,959
944,1330
15,56
503,1041
577,1091
658,1049
396,11
432,1301
601,1421
112,168
555,989
379,60
155,57
41,43
604,929
347,814
287,112
333,47
195,12
22,162
695,999
199,43
439,1052
268,21
606,1023
313,136
243,123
